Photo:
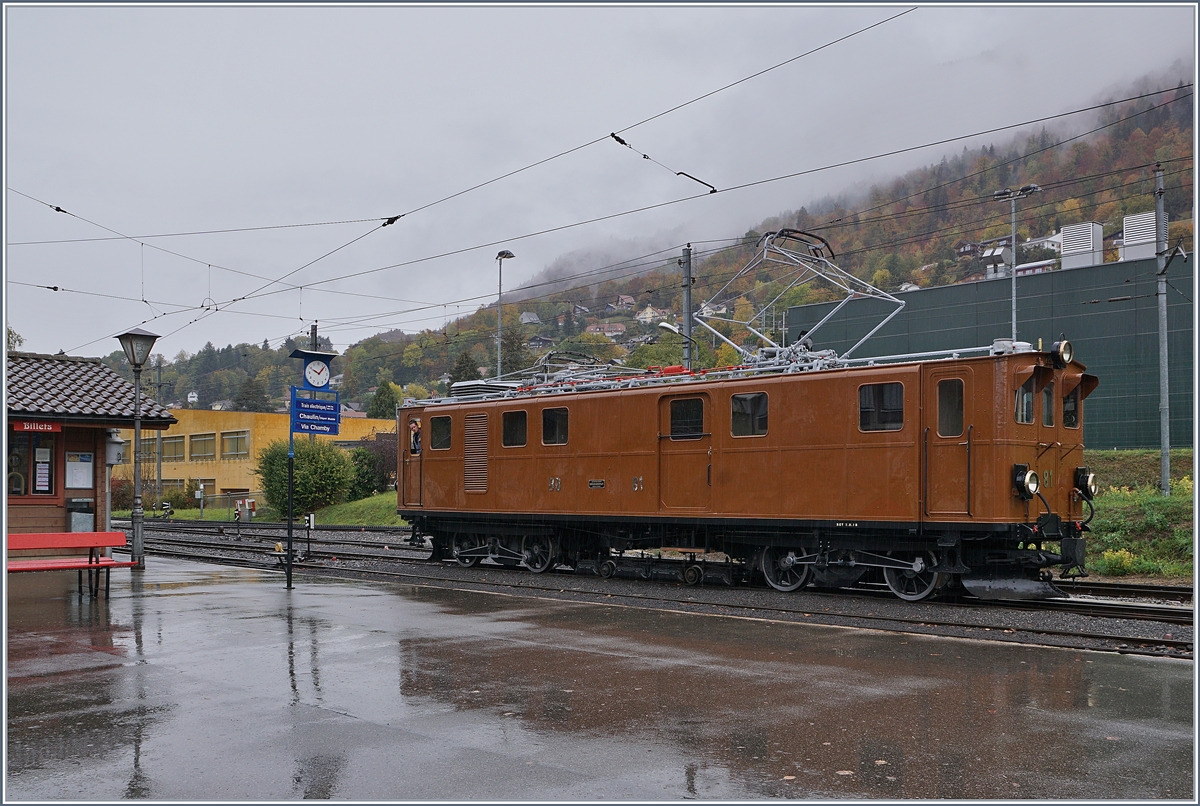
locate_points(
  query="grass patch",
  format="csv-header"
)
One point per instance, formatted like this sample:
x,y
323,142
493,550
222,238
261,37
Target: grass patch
x,y
1134,469
378,510
1139,531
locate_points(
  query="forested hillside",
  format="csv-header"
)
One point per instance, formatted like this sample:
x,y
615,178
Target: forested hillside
x,y
903,231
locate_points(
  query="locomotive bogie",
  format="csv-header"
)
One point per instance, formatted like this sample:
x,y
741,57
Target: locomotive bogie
x,y
925,471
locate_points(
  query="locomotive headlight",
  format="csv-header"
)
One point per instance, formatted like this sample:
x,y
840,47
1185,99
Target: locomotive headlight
x,y
1026,481
1085,482
1062,352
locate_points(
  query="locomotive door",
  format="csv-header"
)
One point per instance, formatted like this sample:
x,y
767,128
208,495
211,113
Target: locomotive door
x,y
947,436
685,452
410,466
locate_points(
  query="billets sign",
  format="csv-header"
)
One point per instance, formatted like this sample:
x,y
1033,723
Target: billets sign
x,y
41,426
312,416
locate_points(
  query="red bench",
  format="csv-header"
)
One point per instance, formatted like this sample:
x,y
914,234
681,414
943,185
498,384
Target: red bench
x,y
94,542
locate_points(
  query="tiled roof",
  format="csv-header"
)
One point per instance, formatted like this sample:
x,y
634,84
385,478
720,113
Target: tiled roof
x,y
73,388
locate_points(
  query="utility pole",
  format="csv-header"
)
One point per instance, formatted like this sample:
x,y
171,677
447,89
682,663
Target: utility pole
x,y
1164,404
687,306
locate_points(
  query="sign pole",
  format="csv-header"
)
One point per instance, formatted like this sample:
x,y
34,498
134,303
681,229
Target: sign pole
x,y
291,490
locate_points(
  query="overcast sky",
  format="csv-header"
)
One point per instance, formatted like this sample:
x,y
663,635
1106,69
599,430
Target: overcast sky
x,y
152,121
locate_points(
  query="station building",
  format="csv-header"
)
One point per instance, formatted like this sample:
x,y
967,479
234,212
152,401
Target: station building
x,y
219,448
61,411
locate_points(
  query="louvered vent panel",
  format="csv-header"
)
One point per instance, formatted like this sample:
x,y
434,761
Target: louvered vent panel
x,y
1139,228
475,430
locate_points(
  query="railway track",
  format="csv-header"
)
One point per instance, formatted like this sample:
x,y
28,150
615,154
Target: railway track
x,y
258,551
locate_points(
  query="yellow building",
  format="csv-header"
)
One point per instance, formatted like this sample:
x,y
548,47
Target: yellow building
x,y
219,448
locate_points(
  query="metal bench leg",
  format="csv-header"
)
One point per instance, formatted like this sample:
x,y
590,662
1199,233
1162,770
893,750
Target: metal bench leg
x,y
79,571
107,579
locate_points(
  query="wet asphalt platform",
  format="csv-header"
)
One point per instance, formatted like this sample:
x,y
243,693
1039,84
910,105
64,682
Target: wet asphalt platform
x,y
199,682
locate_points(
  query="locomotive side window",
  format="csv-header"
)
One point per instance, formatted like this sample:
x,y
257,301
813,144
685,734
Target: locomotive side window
x,y
1024,402
1071,409
950,408
687,418
554,426
514,429
439,433
749,414
1048,405
881,407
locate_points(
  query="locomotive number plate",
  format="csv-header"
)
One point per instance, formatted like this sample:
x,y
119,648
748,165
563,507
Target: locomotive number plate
x,y
596,484
555,484
638,484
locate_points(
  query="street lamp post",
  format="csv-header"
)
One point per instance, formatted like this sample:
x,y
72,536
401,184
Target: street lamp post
x,y
499,309
1012,196
137,344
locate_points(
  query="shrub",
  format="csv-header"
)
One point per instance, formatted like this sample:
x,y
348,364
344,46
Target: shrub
x,y
122,493
322,475
1115,563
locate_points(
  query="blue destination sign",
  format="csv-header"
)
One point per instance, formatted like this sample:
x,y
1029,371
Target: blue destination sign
x,y
315,416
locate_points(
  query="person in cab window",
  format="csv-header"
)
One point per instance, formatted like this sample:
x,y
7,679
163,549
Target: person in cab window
x,y
414,436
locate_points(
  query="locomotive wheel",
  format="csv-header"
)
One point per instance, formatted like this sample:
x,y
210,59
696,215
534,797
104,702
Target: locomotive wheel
x,y
692,574
539,553
781,570
607,569
465,544
914,585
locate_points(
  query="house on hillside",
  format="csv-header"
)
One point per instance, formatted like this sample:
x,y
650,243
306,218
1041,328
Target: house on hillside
x,y
530,318
611,329
649,315
624,303
539,343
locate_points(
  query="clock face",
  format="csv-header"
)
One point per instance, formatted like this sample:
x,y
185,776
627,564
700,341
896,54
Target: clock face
x,y
317,373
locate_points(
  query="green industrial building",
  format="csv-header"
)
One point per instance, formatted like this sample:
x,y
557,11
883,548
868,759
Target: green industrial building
x,y
1109,312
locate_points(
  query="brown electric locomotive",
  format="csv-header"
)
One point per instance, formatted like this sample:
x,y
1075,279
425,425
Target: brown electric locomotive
x,y
959,468
803,467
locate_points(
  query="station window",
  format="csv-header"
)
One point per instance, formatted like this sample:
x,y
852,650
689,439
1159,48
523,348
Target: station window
x,y
1071,409
1024,402
749,414
687,418
31,460
203,446
1048,405
514,429
881,407
950,408
235,444
439,433
554,426
172,449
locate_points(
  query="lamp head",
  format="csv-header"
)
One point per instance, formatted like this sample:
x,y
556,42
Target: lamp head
x,y
137,344
1001,194
670,328
504,254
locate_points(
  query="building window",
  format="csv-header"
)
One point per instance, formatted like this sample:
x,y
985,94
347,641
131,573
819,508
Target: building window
x,y
514,429
439,433
203,446
1048,405
1024,402
881,407
235,444
749,414
950,408
170,485
172,449
31,460
1071,409
687,418
554,426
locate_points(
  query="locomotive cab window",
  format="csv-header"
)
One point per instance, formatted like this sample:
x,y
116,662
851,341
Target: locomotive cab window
x,y
881,407
439,433
749,414
1048,405
687,418
554,426
1070,417
950,408
1024,403
513,423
